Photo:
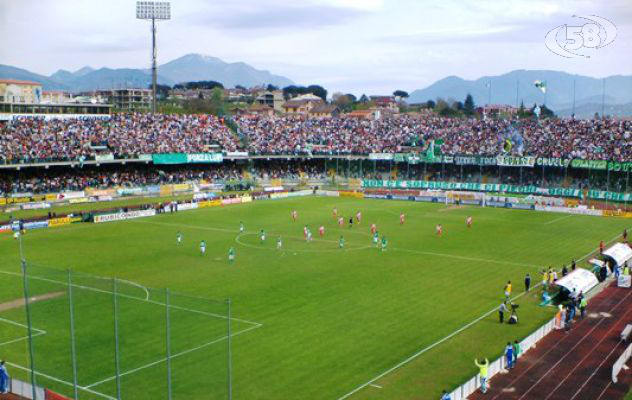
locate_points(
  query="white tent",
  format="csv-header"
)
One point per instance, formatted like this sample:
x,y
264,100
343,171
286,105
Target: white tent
x,y
581,280
619,253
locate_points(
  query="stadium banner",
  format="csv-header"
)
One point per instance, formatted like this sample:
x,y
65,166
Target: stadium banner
x,y
100,192
104,157
566,210
475,160
187,206
169,158
181,187
619,166
205,158
34,206
145,157
166,190
51,197
355,195
589,164
610,196
552,162
130,191
123,216
232,200
152,189
70,195
328,193
78,200
35,225
300,193
512,161
55,222
381,156
246,199
236,154
478,187
279,195
210,203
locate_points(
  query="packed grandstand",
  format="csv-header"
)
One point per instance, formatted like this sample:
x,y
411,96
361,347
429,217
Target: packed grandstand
x,y
312,148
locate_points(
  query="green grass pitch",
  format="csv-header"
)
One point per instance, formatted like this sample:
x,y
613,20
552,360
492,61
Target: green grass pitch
x,y
311,321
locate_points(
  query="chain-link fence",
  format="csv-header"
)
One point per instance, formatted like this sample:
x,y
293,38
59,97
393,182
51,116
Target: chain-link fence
x,y
102,338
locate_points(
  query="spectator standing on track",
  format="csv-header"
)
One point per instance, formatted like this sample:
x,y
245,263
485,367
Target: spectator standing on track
x,y
445,396
573,265
516,352
501,311
509,355
564,271
568,320
4,378
527,282
482,373
583,303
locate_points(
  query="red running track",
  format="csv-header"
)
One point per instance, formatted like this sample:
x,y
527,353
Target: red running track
x,y
576,365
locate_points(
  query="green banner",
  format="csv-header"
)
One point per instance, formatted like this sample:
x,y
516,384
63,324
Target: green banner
x,y
619,166
182,158
589,164
478,187
169,158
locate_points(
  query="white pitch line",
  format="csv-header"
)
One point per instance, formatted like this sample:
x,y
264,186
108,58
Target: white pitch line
x,y
444,339
430,253
131,371
21,339
52,378
21,325
558,219
133,298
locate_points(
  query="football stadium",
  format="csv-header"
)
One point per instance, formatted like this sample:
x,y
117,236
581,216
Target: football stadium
x,y
207,230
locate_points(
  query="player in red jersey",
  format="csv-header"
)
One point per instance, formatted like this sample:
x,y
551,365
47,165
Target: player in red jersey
x,y
402,218
321,231
359,217
602,246
334,213
439,229
294,215
305,230
468,221
373,229
341,221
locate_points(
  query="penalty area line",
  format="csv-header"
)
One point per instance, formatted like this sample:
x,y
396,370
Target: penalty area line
x,y
151,364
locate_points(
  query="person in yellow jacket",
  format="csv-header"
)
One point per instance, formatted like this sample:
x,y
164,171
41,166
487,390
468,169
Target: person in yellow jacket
x,y
483,367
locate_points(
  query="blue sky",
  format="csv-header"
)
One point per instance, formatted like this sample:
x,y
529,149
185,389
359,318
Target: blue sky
x,y
372,46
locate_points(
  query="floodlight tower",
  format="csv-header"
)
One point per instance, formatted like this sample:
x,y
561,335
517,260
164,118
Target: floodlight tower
x,y
153,10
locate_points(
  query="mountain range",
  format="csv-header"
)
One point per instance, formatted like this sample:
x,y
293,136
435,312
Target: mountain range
x,y
191,67
518,86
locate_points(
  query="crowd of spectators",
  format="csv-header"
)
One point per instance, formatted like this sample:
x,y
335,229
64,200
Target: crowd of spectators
x,y
130,135
124,135
609,139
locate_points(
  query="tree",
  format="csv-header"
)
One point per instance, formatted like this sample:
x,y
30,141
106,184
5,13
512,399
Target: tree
x,y
240,87
318,90
342,101
162,91
468,105
364,98
271,88
351,97
431,104
400,93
